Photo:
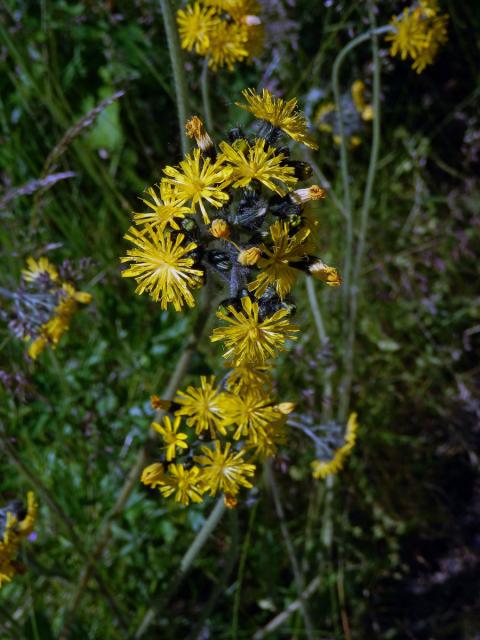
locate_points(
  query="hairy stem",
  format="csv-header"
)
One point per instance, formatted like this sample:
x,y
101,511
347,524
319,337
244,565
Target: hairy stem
x,y
205,88
364,217
178,69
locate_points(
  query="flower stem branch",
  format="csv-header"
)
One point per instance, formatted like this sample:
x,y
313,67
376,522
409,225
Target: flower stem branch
x,y
347,198
364,217
205,88
297,574
178,69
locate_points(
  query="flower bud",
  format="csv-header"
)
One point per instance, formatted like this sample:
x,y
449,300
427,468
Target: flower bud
x,y
153,475
196,129
159,404
249,257
285,407
310,193
230,501
323,272
219,228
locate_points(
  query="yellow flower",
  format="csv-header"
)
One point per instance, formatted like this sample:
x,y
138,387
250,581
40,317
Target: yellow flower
x,y
195,24
227,44
279,113
37,346
266,444
257,162
251,413
36,268
13,532
220,229
277,259
323,468
169,432
224,471
249,339
358,96
162,266
162,214
196,181
249,257
418,33
204,407
186,484
247,377
153,475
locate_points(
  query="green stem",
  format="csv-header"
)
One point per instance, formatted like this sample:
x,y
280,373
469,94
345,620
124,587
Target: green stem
x,y
178,68
205,88
241,572
347,202
297,574
197,545
364,217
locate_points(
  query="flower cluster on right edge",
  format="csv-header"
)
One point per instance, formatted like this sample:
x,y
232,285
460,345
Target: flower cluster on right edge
x,y
418,33
232,212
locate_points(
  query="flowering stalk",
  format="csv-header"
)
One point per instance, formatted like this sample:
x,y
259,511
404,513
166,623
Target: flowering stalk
x,y
347,206
176,58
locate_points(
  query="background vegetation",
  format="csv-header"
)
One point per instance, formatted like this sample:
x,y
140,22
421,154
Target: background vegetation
x,y
394,540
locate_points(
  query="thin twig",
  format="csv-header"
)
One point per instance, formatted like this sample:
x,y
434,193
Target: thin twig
x,y
297,574
281,618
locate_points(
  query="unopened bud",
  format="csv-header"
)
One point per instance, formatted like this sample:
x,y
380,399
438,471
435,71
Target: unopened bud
x,y
230,501
249,257
196,129
157,403
310,193
323,272
153,475
219,228
286,407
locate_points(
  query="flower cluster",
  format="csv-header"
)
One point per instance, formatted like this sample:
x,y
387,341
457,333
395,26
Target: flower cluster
x,y
16,523
43,305
213,435
335,449
234,213
356,111
223,31
418,33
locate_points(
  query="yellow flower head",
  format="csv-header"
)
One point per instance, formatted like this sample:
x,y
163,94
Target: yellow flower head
x,y
249,339
277,258
323,468
198,181
170,435
228,44
162,214
162,266
279,113
13,532
418,33
247,377
185,484
37,268
268,439
257,162
250,413
223,470
195,24
204,407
